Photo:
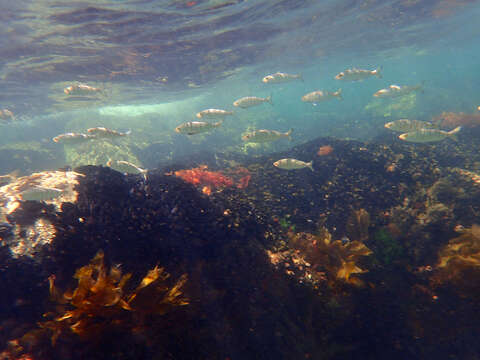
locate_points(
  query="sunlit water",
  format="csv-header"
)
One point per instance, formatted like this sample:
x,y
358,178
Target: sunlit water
x,y
158,63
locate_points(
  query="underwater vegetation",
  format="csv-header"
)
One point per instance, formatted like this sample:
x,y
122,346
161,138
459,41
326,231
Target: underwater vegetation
x,y
459,262
213,180
101,304
314,258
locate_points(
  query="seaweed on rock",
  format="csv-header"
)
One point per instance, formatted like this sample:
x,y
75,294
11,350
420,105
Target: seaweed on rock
x,y
100,301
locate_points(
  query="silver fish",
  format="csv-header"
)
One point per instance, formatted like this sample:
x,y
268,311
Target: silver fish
x,y
293,164
196,127
358,74
250,101
396,91
125,167
40,193
81,89
104,133
280,77
261,136
320,95
407,125
429,135
72,138
213,114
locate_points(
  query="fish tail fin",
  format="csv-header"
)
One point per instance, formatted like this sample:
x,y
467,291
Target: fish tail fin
x,y
453,134
378,72
310,165
269,99
339,94
289,133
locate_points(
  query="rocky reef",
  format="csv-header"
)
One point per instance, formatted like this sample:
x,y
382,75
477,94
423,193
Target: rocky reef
x,y
228,257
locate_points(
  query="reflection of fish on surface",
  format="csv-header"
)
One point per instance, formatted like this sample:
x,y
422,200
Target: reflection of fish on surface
x,y
395,91
40,193
279,78
72,138
355,74
315,97
250,101
104,133
407,125
196,127
292,164
213,114
261,136
429,135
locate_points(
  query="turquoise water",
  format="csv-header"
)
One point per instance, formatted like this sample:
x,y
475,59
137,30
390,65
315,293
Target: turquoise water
x,y
159,63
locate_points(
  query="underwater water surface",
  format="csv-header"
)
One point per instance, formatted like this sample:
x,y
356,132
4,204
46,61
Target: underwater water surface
x,y
239,179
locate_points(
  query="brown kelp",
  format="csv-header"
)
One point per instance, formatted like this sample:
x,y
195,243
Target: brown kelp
x,y
314,258
100,300
459,262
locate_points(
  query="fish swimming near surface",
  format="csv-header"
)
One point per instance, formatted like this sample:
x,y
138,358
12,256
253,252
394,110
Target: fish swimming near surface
x,y
72,138
407,125
429,135
292,164
279,78
321,95
250,101
355,74
104,133
213,114
81,90
40,193
196,127
263,136
395,91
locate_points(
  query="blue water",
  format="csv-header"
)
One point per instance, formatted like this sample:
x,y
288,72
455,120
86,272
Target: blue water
x,y
168,60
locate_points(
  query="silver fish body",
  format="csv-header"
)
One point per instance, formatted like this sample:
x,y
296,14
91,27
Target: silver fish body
x,y
279,78
104,133
81,90
408,125
262,136
395,91
429,135
292,164
355,74
196,127
250,101
321,95
125,167
213,114
72,138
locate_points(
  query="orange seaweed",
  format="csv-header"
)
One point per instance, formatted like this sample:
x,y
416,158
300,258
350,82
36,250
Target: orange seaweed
x,y
325,150
214,180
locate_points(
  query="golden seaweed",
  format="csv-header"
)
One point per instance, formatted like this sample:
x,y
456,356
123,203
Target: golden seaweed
x,y
459,262
100,303
316,258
